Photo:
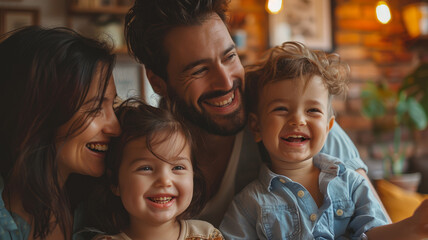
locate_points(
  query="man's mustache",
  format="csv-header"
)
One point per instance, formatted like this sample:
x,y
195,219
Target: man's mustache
x,y
219,93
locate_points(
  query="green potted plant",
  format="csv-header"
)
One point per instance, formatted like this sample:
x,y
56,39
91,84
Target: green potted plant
x,y
396,111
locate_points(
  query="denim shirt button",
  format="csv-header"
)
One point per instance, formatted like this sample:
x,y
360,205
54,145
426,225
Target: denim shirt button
x,y
300,193
339,212
313,217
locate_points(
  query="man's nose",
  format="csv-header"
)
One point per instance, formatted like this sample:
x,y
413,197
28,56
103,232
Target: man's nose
x,y
222,79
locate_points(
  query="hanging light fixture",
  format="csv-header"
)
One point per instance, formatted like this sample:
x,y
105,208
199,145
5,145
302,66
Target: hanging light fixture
x,y
273,6
382,12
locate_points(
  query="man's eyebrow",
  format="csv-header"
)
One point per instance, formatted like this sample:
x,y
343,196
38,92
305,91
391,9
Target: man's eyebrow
x,y
200,61
230,48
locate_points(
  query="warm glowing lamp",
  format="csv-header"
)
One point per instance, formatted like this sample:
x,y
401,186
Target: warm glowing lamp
x,y
416,19
382,12
273,6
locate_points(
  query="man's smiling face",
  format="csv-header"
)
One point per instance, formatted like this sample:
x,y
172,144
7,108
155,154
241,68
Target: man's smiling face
x,y
206,77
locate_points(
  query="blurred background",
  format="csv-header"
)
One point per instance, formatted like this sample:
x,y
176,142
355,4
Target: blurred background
x,y
384,42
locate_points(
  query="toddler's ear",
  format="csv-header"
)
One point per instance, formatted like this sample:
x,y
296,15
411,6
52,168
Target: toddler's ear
x,y
253,122
330,123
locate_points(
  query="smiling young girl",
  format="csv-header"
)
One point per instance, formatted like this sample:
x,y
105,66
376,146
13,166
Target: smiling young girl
x,y
152,179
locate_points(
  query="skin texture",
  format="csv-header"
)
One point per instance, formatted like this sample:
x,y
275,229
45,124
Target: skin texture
x,y
154,192
288,109
205,76
76,154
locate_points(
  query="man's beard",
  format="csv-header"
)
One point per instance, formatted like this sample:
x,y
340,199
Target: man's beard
x,y
233,122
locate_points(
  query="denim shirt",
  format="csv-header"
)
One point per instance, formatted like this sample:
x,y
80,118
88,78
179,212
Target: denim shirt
x,y
275,207
337,144
12,226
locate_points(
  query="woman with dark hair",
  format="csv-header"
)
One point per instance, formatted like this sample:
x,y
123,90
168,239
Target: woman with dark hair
x,y
56,95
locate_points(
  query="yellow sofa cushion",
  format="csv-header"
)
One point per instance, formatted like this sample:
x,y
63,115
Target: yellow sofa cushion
x,y
398,202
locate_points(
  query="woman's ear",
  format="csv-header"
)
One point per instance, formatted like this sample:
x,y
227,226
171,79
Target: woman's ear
x,y
158,84
253,122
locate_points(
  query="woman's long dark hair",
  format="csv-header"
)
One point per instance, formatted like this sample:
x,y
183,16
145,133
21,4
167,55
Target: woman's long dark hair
x,y
45,75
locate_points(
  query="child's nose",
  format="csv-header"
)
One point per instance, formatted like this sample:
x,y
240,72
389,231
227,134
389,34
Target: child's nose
x,y
297,120
163,180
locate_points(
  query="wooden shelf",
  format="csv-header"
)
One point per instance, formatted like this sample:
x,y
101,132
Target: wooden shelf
x,y
115,10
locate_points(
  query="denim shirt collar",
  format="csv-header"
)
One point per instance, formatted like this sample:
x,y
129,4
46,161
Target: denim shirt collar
x,y
5,217
329,166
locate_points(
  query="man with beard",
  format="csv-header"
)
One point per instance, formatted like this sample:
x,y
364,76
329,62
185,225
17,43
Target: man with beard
x,y
191,60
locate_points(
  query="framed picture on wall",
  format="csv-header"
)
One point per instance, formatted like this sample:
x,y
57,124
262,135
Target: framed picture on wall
x,y
13,18
306,21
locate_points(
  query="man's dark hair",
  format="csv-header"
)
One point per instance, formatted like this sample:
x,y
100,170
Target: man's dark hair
x,y
149,21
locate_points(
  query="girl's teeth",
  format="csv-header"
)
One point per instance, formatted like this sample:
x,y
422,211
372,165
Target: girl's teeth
x,y
161,199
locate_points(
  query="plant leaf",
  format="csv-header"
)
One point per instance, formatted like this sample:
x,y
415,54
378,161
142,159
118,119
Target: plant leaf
x,y
402,106
417,114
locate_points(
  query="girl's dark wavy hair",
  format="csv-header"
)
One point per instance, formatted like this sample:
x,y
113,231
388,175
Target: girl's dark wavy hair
x,y
137,120
45,76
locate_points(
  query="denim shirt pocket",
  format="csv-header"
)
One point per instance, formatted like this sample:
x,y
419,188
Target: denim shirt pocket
x,y
280,222
343,210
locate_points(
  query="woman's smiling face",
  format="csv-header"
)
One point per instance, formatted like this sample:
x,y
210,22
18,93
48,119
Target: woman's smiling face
x,y
84,153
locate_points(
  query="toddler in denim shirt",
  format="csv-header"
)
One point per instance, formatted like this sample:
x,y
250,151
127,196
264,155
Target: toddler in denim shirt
x,y
301,193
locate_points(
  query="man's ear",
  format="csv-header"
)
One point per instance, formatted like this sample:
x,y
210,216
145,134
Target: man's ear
x,y
253,122
158,84
330,123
